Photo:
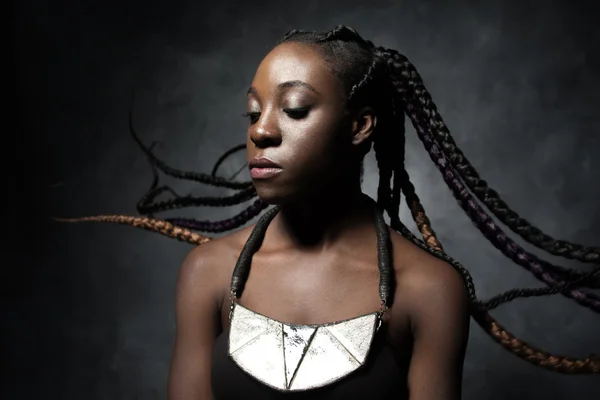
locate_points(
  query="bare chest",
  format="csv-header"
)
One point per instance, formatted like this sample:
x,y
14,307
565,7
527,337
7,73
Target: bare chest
x,y
312,289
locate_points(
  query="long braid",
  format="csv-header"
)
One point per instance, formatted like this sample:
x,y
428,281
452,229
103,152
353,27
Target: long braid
x,y
522,349
543,270
194,201
424,226
500,240
535,356
384,192
221,226
146,207
513,294
185,175
392,144
422,100
155,225
493,232
487,226
221,159
419,216
381,143
517,346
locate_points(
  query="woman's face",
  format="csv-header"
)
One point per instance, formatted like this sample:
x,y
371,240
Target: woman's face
x,y
298,143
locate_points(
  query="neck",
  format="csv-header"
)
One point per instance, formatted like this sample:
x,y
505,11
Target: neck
x,y
318,221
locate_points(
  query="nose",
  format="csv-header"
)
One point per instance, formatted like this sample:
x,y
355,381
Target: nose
x,y
265,132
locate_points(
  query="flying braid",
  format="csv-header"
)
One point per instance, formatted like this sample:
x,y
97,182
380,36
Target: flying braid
x,y
421,99
145,205
480,313
221,226
383,143
229,152
163,227
185,175
486,225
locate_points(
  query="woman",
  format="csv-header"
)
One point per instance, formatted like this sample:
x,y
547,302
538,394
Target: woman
x,y
320,299
310,125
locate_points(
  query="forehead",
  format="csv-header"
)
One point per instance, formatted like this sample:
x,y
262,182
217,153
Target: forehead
x,y
295,62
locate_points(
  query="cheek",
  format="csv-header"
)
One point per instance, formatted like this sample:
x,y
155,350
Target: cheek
x,y
316,138
317,156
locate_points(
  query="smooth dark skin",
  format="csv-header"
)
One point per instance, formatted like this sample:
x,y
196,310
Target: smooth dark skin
x,y
318,262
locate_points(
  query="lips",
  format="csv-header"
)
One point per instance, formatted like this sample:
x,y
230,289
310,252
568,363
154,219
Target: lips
x,y
263,168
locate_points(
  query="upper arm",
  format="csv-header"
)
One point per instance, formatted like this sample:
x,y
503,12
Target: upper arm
x,y
197,313
439,317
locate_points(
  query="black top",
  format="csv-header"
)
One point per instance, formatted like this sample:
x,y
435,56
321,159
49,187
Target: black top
x,y
379,378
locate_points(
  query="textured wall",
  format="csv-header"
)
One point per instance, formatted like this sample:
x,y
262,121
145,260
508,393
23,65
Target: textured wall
x,y
92,318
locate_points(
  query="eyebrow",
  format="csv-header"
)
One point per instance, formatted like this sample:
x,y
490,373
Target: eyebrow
x,y
288,84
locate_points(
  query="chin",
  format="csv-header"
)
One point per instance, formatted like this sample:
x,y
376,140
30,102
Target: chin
x,y
273,194
272,197
278,196
279,191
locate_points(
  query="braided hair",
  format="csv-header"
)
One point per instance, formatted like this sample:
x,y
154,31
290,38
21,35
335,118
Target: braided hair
x,y
386,80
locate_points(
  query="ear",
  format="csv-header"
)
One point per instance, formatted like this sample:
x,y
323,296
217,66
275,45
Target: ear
x,y
363,125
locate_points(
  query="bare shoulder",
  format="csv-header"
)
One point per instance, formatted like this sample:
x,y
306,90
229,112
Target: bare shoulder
x,y
201,288
210,265
225,247
426,285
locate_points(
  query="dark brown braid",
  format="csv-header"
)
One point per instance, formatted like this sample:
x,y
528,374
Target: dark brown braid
x,y
512,294
224,225
145,206
480,314
487,226
419,217
469,175
189,176
229,152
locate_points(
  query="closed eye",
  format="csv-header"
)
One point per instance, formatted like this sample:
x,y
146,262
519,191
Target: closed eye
x,y
253,116
297,113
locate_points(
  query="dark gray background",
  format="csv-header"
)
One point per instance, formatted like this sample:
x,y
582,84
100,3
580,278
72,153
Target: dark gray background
x,y
90,314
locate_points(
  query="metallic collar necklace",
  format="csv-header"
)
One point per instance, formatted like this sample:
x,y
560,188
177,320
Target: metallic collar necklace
x,y
289,357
